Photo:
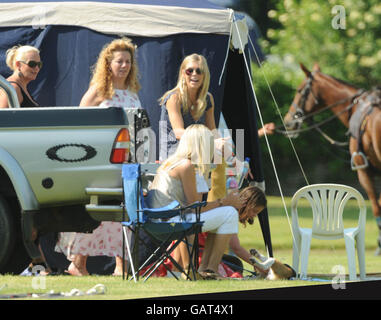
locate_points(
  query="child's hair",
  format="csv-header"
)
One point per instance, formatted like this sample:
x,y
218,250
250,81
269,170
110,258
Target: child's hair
x,y
251,197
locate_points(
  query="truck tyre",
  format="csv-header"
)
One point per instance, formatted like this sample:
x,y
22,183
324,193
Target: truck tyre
x,y
13,256
7,233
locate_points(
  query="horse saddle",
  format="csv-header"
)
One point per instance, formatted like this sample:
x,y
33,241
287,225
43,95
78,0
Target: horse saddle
x,y
358,120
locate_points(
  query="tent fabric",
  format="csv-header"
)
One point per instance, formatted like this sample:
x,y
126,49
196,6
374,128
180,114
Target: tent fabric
x,y
132,19
69,49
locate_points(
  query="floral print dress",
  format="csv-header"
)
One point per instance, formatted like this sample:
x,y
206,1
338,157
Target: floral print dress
x,y
123,99
106,240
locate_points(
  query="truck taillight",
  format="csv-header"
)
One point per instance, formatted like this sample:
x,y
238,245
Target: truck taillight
x,y
121,148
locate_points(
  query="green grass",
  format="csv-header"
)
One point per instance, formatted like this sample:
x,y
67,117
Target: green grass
x,y
324,256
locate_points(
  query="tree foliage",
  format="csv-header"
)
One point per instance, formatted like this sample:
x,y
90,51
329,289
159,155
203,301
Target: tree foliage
x,y
350,51
301,31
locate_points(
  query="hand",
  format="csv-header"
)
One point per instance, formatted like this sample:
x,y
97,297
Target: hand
x,y
224,146
268,128
233,199
261,271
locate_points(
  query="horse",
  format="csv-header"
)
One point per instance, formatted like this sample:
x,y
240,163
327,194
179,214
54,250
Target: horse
x,y
358,110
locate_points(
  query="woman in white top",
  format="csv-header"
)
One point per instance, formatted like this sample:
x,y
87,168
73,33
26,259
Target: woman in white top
x,y
114,83
176,180
115,80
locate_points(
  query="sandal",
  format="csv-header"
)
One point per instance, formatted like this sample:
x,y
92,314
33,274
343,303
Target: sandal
x,y
210,275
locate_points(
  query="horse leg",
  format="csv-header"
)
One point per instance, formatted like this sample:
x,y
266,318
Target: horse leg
x,y
374,130
367,183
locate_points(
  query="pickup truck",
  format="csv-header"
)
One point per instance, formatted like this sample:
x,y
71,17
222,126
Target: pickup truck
x,y
53,161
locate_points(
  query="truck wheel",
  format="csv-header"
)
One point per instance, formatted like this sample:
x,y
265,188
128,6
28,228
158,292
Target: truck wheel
x,y
13,255
7,233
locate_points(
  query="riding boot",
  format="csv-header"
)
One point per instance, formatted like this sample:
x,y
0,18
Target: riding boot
x,y
378,250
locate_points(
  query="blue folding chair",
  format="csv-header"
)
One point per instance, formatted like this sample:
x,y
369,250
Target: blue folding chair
x,y
153,221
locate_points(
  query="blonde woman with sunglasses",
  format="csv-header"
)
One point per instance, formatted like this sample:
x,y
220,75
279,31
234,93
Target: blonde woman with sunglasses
x,y
25,62
188,103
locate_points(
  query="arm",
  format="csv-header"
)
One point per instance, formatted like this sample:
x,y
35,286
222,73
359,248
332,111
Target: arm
x,y
186,173
222,144
4,98
210,122
236,247
90,98
173,106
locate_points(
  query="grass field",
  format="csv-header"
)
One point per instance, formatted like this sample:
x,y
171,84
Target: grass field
x,y
324,256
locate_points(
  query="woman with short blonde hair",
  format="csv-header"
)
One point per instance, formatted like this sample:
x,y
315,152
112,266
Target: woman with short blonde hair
x,y
25,62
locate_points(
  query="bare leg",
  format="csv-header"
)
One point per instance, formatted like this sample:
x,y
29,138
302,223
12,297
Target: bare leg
x,y
207,252
78,266
220,244
119,266
176,255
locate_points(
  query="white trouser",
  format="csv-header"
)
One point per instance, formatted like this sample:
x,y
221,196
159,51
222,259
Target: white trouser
x,y
221,220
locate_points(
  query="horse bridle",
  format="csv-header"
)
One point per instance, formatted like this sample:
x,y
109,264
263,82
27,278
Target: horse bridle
x,y
299,116
299,113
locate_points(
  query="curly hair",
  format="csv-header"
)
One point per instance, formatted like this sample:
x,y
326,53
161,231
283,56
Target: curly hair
x,y
251,197
181,87
102,72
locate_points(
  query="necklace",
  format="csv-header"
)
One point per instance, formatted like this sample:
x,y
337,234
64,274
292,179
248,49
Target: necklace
x,y
192,107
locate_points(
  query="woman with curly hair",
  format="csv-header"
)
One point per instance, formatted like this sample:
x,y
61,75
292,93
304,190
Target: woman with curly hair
x,y
115,78
114,83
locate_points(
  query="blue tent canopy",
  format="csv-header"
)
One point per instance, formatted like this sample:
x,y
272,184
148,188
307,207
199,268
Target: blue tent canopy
x,y
70,36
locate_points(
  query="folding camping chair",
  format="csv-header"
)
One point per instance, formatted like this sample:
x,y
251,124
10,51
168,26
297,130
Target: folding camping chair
x,y
154,222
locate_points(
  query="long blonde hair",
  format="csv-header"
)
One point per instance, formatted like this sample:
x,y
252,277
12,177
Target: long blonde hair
x,y
197,145
182,90
17,53
102,72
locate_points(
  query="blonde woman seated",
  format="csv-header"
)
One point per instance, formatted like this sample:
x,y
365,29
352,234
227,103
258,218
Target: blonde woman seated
x,y
176,180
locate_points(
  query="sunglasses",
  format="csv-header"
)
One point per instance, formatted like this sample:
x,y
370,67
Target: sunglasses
x,y
189,71
33,64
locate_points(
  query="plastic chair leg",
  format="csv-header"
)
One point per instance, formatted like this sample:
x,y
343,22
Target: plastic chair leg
x,y
296,246
304,253
351,255
360,241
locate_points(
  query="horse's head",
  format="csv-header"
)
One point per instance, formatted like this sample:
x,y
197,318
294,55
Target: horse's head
x,y
305,101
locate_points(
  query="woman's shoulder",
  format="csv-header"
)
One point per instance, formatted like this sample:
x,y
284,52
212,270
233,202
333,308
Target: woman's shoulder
x,y
209,100
14,84
91,97
183,169
172,96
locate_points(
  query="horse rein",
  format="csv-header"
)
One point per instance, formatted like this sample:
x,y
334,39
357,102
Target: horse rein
x,y
299,115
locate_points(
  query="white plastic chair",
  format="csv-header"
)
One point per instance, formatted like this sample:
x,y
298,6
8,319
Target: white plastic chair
x,y
328,202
